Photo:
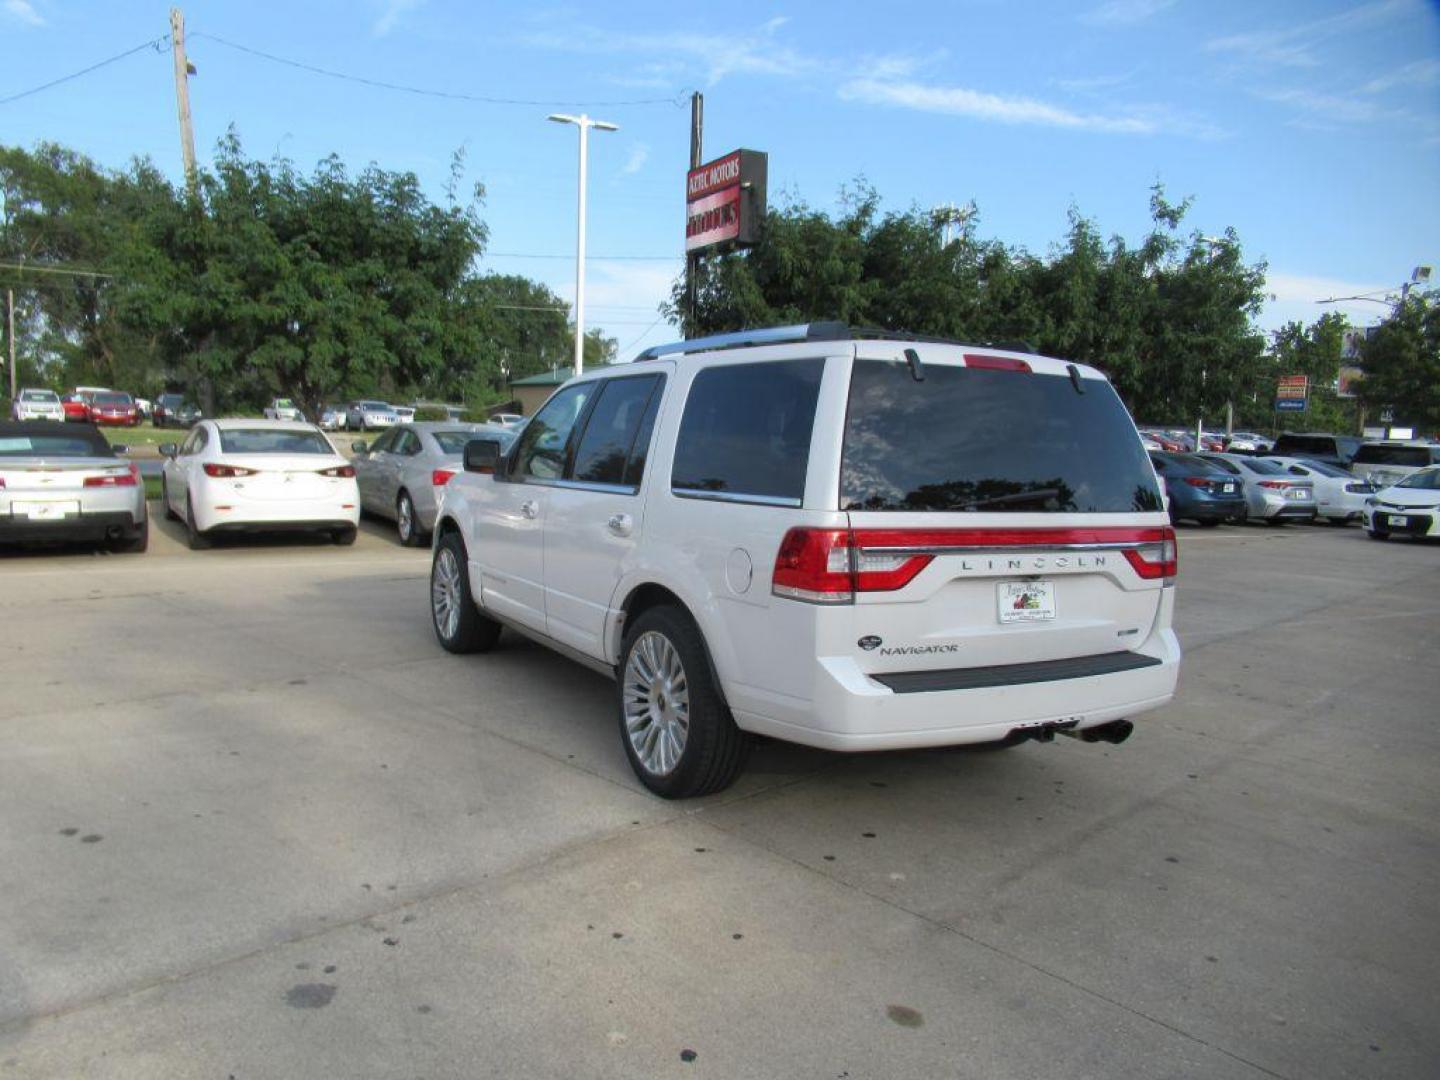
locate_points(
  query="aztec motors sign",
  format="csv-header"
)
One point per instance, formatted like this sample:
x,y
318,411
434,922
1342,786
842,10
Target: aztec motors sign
x,y
725,201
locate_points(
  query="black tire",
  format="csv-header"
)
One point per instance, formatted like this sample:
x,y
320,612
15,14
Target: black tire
x,y
345,537
198,540
715,749
1376,534
405,513
469,631
135,543
165,507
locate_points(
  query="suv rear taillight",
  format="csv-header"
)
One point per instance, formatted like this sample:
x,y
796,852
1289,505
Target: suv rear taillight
x,y
827,566
1157,559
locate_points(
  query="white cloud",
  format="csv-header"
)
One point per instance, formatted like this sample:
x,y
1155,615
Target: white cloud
x,y
754,52
1296,46
391,12
1419,73
1125,12
997,108
639,154
1294,298
23,11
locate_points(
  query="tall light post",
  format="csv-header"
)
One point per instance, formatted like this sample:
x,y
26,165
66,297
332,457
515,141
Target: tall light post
x,y
584,123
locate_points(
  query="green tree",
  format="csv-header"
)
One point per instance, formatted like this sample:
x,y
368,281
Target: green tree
x,y
1315,351
1401,360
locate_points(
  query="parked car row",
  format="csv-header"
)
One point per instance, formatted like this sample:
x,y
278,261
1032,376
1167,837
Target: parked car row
x,y
1178,441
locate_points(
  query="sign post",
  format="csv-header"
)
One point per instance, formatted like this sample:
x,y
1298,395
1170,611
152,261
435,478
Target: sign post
x,y
724,206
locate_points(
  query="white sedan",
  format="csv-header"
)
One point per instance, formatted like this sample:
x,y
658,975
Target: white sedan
x,y
1339,496
1409,508
258,476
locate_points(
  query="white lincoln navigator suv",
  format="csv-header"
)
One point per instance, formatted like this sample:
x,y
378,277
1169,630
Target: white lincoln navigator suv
x,y
850,540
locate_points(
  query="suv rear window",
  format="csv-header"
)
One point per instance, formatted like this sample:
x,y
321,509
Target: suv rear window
x,y
970,439
1414,457
746,432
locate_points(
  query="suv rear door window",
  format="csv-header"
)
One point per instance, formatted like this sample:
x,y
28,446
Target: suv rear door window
x,y
1414,457
745,433
612,430
979,440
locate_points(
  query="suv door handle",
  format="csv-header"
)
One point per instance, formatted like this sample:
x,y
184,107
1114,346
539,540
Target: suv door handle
x,y
529,508
620,524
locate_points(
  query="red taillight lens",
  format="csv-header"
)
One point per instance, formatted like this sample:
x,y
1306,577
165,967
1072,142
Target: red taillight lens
x,y
1197,481
995,363
814,565
827,566
226,472
441,477
339,471
129,478
1156,559
1275,485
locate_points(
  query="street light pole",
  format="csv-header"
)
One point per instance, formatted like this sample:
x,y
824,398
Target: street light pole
x,y
584,123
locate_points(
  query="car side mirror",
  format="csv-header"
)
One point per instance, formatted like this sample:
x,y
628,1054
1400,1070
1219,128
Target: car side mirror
x,y
119,448
169,449
482,455
360,447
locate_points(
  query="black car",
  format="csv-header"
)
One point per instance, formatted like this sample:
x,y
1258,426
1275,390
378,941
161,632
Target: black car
x,y
1337,450
172,410
1199,490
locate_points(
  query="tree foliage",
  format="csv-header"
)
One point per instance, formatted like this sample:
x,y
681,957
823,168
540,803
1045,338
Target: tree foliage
x,y
267,282
1401,359
1170,319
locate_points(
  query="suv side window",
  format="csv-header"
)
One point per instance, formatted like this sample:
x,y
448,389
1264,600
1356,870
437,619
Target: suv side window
x,y
745,433
607,447
543,448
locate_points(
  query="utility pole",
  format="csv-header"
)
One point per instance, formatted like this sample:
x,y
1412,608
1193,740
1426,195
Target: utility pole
x,y
584,123
183,70
697,153
10,336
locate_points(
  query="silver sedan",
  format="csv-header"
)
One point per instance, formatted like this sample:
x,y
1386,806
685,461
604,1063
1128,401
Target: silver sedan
x,y
401,473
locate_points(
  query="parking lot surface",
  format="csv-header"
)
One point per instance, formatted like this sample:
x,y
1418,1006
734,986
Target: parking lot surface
x,y
254,823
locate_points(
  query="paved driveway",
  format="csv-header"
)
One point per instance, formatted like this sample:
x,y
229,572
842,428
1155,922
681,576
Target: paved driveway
x,y
254,823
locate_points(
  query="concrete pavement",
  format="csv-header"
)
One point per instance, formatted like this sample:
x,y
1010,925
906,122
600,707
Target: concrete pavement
x,y
255,823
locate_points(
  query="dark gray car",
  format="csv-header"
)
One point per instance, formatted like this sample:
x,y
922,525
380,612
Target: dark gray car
x,y
401,473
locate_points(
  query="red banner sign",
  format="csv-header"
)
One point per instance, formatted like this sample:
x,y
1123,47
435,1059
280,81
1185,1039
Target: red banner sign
x,y
725,201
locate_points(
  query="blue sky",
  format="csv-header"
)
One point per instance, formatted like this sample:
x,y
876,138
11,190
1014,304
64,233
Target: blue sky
x,y
1312,128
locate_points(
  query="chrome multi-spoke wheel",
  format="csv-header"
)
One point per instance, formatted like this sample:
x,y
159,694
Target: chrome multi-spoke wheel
x,y
459,624
656,703
445,598
405,520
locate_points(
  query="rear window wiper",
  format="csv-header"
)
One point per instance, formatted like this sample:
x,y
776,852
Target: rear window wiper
x,y
1004,500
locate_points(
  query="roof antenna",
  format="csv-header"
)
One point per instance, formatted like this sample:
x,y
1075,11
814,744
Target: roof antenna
x,y
913,359
1075,378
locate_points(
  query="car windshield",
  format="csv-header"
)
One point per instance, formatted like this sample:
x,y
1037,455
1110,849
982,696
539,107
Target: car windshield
x,y
1264,468
1187,465
453,442
171,401
284,403
977,440
375,406
39,395
112,399
1425,480
1305,444
1379,454
273,441
44,444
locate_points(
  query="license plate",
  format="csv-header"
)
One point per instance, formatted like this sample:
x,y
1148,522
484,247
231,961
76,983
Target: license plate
x,y
1396,520
44,511
1301,493
1026,601
1229,489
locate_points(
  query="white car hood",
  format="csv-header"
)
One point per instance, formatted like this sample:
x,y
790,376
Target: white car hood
x,y
1401,496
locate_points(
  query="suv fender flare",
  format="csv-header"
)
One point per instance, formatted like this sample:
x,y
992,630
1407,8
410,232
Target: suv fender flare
x,y
652,589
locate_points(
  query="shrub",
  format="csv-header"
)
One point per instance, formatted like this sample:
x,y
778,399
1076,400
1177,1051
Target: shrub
x,y
430,412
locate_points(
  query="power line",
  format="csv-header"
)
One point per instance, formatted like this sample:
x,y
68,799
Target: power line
x,y
449,95
153,43
640,337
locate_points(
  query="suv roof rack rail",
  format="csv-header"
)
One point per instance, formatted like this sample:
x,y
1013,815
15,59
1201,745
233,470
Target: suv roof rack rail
x,y
872,333
772,335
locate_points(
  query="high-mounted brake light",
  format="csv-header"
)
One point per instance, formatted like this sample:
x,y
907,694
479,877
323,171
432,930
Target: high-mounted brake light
x,y
129,478
226,472
441,477
339,472
995,363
